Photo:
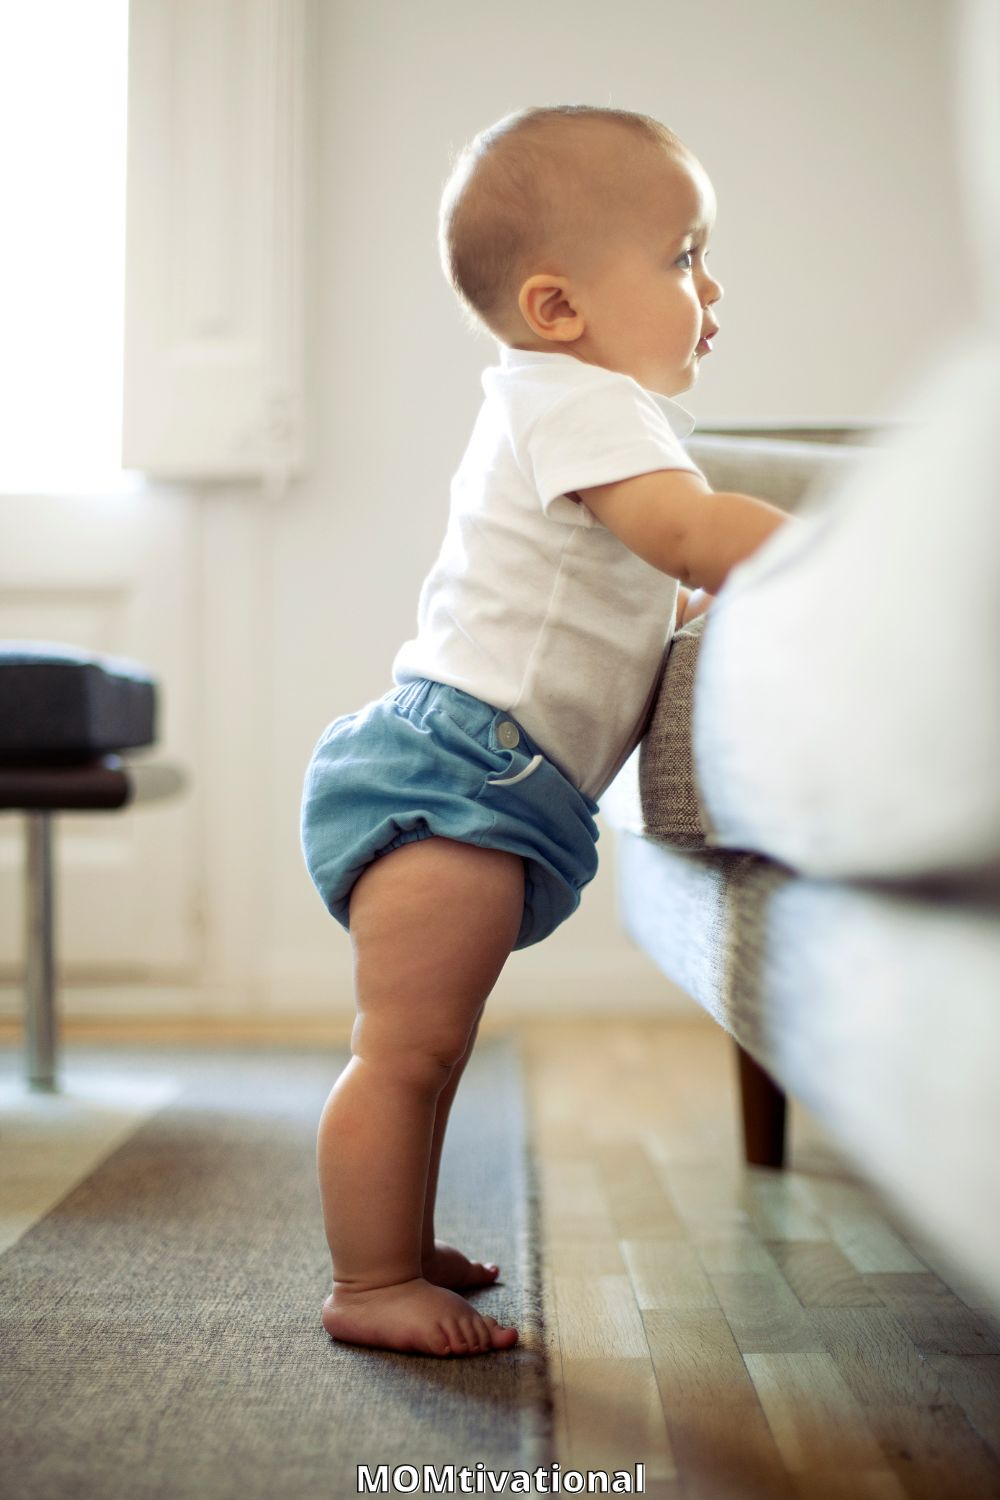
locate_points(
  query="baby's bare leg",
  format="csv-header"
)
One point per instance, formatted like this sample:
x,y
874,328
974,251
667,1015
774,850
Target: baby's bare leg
x,y
432,924
443,1263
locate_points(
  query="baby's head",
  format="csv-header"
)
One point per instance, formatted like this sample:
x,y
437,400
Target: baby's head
x,y
579,230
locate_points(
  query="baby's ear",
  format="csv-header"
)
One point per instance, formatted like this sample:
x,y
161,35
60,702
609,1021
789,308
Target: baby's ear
x,y
547,306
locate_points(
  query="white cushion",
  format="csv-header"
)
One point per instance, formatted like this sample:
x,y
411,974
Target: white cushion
x,y
847,708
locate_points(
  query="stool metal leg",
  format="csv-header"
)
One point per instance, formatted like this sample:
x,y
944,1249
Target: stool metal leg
x,y
40,957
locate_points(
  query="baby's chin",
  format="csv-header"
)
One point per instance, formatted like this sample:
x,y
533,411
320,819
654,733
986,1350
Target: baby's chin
x,y
676,387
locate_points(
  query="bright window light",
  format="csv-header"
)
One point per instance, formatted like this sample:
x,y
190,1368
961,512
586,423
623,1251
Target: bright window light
x,y
63,90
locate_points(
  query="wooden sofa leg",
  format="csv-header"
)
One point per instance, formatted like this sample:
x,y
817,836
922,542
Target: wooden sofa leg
x,y
763,1104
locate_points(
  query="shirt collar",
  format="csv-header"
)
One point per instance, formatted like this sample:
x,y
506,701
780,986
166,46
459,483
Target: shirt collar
x,y
680,419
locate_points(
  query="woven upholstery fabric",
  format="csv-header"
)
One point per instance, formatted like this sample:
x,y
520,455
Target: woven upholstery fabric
x,y
668,792
793,476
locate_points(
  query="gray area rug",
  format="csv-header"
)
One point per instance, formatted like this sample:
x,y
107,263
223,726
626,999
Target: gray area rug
x,y
161,1324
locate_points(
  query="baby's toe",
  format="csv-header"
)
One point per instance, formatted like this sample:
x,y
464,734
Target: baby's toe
x,y
466,1335
440,1342
478,1333
456,1338
503,1338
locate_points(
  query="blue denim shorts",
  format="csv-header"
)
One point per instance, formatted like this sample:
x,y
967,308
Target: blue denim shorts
x,y
428,758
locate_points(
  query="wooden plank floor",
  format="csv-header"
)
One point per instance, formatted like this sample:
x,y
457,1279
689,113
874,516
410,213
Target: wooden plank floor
x,y
742,1332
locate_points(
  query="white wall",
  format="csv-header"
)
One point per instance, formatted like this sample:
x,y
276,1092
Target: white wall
x,y
825,130
828,132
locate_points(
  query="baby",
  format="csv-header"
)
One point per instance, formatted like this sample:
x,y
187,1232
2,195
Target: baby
x,y
451,821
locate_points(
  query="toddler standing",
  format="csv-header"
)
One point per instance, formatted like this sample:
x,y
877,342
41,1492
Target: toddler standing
x,y
452,820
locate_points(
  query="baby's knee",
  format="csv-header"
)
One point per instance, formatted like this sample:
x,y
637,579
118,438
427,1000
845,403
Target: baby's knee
x,y
424,1055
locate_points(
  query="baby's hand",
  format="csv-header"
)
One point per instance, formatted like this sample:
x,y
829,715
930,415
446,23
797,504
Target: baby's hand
x,y
694,604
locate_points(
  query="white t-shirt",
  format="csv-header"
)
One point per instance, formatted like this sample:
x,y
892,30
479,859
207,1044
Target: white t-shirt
x,y
533,604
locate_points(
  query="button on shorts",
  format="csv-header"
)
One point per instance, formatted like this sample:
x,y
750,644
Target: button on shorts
x,y
428,758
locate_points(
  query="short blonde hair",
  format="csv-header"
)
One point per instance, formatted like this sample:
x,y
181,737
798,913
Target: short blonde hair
x,y
525,185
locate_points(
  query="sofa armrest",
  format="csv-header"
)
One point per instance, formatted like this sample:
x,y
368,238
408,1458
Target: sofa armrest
x,y
668,792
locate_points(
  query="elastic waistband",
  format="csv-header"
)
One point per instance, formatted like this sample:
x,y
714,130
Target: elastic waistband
x,y
412,694
476,716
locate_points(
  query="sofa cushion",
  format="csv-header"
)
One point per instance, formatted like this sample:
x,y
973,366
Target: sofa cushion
x,y
847,713
58,703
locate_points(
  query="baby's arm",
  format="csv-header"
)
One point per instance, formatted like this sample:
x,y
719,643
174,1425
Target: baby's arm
x,y
672,520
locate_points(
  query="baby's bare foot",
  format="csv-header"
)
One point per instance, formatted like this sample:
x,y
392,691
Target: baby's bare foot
x,y
413,1317
446,1266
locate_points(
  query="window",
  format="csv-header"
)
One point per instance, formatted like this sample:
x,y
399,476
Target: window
x,y
63,92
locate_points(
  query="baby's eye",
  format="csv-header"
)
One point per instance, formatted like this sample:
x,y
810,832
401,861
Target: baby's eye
x,y
689,255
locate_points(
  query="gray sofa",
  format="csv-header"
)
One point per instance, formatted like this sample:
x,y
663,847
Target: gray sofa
x,y
831,895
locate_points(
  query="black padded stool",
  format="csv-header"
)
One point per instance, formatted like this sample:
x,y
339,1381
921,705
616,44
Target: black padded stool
x,y
63,712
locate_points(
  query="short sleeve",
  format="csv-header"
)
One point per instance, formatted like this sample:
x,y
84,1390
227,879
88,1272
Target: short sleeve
x,y
598,434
